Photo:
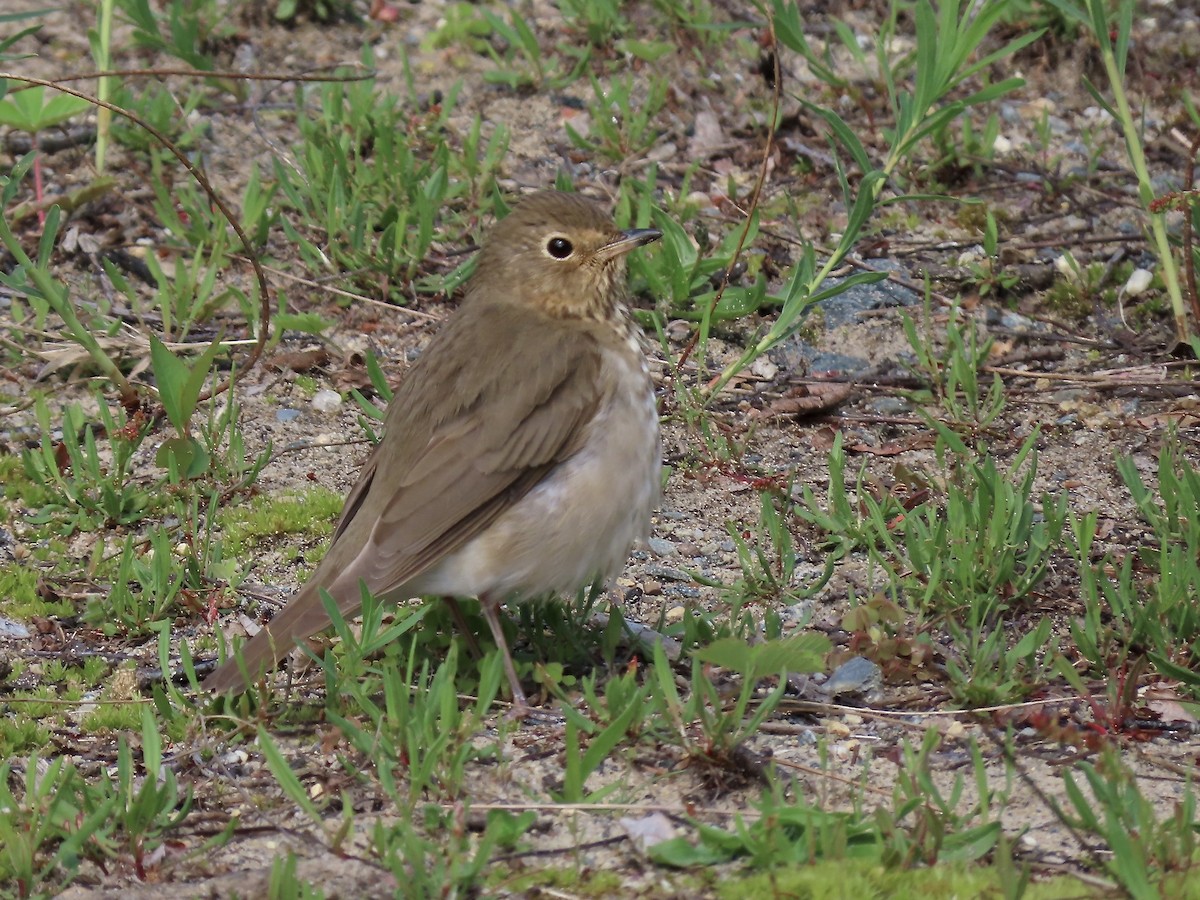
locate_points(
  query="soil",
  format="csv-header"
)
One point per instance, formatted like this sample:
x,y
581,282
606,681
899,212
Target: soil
x,y
1097,389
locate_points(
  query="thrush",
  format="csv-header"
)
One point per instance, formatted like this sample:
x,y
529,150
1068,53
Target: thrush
x,y
521,451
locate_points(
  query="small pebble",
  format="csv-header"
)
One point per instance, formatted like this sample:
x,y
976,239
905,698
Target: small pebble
x,y
659,547
10,628
651,588
287,415
765,369
970,255
797,613
857,675
674,614
1016,322
666,573
233,758
1139,280
836,729
326,400
678,330
889,406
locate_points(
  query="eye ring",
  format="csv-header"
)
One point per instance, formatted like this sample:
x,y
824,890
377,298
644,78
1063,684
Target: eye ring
x,y
559,247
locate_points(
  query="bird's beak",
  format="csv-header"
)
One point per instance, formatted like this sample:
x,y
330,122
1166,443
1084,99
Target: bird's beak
x,y
627,240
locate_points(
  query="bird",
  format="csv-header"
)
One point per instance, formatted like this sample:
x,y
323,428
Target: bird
x,y
521,453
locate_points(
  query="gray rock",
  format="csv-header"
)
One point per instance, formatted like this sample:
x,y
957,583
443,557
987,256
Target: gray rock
x,y
855,676
888,406
326,401
659,547
666,573
10,628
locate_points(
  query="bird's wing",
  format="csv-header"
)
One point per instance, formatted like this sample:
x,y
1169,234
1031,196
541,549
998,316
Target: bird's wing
x,y
493,430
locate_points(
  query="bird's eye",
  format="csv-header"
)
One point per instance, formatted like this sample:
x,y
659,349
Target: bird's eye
x,y
559,247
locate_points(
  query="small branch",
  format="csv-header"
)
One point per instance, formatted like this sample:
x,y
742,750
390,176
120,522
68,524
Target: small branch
x,y
1189,256
755,193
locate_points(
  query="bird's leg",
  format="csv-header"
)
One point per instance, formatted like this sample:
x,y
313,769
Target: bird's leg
x,y
460,622
491,612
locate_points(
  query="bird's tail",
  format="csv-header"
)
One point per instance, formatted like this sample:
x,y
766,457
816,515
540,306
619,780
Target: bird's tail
x,y
303,617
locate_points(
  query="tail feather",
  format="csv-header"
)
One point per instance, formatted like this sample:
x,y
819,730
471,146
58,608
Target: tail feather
x,y
303,617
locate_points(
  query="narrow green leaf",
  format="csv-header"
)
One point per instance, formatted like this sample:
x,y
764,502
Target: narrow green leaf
x,y
286,777
171,375
197,375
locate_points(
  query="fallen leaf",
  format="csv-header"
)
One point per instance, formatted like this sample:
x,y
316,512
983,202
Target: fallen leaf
x,y
1163,420
299,360
804,400
823,438
1167,704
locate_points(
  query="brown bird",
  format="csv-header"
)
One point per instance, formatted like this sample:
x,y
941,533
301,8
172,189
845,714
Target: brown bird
x,y
521,455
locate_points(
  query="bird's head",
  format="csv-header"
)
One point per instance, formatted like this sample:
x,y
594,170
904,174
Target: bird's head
x,y
559,252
